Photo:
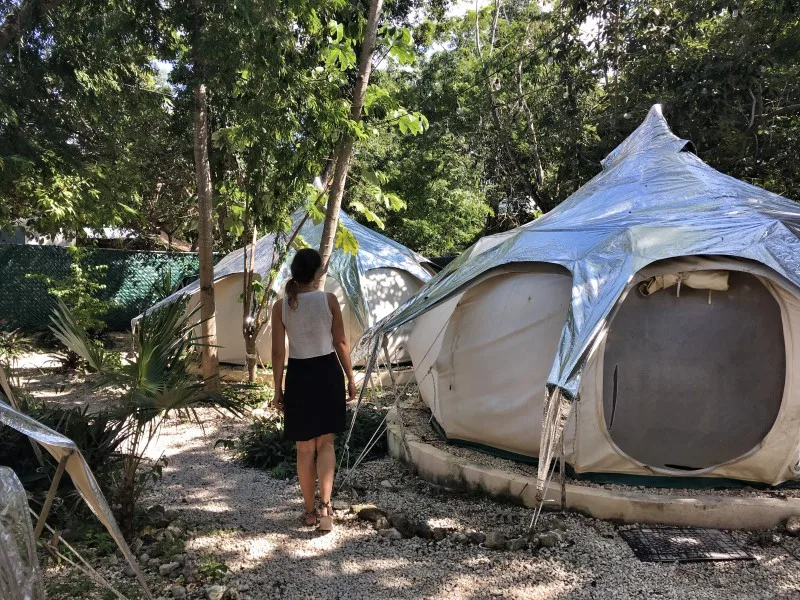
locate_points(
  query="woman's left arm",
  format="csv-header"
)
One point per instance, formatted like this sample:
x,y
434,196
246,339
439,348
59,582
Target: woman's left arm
x,y
340,344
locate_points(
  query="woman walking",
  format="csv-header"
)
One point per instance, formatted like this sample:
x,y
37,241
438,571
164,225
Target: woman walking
x,y
313,400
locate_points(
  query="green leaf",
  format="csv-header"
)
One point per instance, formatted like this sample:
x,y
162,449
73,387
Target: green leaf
x,y
345,240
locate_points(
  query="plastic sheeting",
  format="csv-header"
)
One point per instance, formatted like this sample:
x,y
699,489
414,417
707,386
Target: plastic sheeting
x,y
652,201
59,447
20,577
375,251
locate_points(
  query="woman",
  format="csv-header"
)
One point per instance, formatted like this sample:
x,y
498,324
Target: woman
x,y
313,402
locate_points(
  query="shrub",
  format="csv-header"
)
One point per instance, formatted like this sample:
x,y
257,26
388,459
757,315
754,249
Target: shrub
x,y
263,446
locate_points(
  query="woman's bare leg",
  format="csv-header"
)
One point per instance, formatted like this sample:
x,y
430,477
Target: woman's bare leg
x,y
326,463
306,473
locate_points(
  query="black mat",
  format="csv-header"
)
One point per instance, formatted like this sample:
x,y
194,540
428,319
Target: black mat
x,y
669,544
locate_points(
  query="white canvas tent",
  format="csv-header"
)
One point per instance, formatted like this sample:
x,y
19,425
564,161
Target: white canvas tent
x,y
369,285
652,319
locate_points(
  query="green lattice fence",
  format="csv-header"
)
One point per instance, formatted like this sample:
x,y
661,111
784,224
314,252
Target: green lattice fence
x,y
131,278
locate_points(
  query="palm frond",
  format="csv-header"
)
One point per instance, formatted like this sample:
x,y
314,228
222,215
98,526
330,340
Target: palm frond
x,y
67,330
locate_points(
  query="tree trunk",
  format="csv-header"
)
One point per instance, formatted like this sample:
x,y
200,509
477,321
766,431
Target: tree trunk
x,y
207,306
346,143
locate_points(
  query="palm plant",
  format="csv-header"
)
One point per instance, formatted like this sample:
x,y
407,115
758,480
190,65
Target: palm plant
x,y
158,385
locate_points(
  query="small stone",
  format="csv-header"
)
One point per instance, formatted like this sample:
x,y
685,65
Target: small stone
x,y
559,524
476,537
424,530
161,598
367,512
403,524
215,592
128,570
144,558
461,538
381,524
136,546
495,540
386,484
176,532
793,526
549,539
391,534
439,533
153,562
180,559
112,560
517,544
243,587
167,568
178,591
340,505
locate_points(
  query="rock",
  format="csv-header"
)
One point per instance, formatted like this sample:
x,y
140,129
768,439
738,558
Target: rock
x,y
793,526
180,559
128,570
476,537
136,546
559,524
190,573
439,533
381,524
153,562
178,591
368,512
144,558
495,540
550,539
167,568
244,587
517,544
461,538
386,484
340,505
112,560
403,524
158,517
175,531
423,530
215,592
392,534
168,535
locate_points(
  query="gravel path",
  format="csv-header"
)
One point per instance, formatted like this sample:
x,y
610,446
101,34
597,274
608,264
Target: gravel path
x,y
251,522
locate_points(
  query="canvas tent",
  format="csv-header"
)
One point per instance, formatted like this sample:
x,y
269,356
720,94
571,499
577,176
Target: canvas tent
x,y
369,285
651,319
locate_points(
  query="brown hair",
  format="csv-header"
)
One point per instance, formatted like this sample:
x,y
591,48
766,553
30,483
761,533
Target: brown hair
x,y
305,264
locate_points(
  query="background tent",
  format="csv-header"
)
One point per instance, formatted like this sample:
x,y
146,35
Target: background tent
x,y
662,294
369,285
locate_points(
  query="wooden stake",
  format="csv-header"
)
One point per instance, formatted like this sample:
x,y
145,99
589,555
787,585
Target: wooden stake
x,y
51,494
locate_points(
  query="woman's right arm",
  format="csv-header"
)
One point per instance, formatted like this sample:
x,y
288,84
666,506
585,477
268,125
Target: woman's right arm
x,y
340,344
278,351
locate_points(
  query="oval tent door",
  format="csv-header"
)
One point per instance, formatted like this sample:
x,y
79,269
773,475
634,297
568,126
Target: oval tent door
x,y
688,384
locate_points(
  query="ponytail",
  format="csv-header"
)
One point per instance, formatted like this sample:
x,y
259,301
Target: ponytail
x,y
292,287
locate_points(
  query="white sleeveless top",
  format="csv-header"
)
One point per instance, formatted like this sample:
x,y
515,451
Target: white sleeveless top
x,y
308,327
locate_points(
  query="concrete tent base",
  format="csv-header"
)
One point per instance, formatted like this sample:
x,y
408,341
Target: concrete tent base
x,y
718,512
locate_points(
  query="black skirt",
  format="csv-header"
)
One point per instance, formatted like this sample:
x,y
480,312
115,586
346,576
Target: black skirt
x,y
314,399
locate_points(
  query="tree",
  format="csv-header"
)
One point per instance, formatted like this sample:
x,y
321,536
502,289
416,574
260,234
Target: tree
x,y
345,148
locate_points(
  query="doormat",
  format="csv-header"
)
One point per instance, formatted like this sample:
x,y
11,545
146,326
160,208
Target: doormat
x,y
670,544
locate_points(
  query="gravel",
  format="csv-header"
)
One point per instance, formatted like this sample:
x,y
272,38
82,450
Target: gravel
x,y
252,523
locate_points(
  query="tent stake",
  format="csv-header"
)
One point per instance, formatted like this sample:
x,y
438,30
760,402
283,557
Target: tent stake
x,y
51,494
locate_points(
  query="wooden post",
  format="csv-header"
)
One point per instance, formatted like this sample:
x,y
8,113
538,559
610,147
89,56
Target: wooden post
x,y
51,494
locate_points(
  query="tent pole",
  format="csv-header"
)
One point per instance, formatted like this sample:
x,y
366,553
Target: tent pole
x,y
51,494
389,367
563,473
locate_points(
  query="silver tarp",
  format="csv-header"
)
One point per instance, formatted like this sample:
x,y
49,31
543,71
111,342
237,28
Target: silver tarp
x,y
20,577
374,251
82,477
653,200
